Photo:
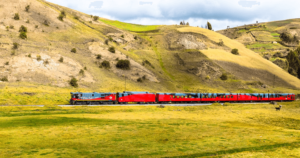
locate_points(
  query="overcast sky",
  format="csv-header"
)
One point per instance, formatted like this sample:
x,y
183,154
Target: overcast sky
x,y
220,13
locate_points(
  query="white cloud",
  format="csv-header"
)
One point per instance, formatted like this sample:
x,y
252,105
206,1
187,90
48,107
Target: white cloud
x,y
221,13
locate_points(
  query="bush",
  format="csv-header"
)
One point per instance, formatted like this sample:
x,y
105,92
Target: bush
x,y
46,22
207,77
85,68
235,51
15,45
139,80
36,26
95,18
286,37
221,43
123,64
38,58
23,35
106,42
11,27
223,77
105,64
122,36
46,62
73,82
7,63
81,72
27,8
73,50
4,79
61,59
112,49
148,63
61,17
98,56
144,77
17,17
135,37
23,29
110,39
13,53
76,17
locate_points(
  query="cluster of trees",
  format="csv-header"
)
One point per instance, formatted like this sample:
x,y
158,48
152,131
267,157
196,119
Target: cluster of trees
x,y
183,23
294,62
288,38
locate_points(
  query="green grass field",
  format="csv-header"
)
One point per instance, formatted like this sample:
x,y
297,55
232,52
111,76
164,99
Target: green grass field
x,y
216,131
131,27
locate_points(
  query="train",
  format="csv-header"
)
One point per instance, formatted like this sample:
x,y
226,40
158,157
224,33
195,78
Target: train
x,y
126,97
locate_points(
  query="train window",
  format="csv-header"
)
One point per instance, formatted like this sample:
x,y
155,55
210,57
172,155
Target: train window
x,y
190,96
232,96
173,96
181,96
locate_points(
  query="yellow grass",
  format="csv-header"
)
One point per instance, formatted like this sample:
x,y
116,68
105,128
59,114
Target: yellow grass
x,y
217,131
246,58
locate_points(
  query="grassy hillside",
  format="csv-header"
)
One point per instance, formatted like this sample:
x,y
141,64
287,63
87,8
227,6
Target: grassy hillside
x,y
166,58
237,131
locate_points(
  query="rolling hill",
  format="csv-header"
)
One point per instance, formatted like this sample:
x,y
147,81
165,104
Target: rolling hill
x,y
162,58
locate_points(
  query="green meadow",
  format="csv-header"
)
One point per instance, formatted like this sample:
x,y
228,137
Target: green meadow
x,y
234,130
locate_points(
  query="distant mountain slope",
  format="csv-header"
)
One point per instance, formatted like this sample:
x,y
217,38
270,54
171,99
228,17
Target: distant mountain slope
x,y
264,38
162,58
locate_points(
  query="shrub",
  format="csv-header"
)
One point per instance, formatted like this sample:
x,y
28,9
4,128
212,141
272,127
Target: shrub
x,y
123,64
23,35
293,28
7,28
112,49
23,29
223,77
98,56
95,18
286,37
29,55
36,26
106,42
144,77
85,68
7,63
235,51
38,58
76,17
15,45
135,37
81,72
110,39
207,77
13,53
105,64
73,50
11,27
139,80
122,36
46,62
221,43
46,22
27,8
61,17
148,63
61,59
73,82
4,79
17,17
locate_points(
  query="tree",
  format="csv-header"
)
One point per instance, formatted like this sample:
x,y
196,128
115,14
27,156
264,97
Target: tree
x,y
209,26
224,77
188,24
23,35
112,49
95,18
181,23
294,63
